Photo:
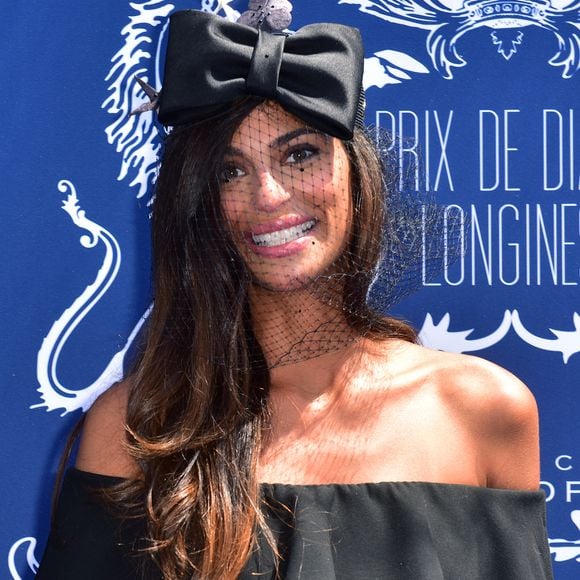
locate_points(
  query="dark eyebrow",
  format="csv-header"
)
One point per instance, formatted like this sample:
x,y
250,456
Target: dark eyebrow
x,y
233,151
282,139
287,137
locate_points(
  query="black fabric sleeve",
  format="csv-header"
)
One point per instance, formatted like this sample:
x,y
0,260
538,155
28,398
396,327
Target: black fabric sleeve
x,y
88,541
396,530
403,531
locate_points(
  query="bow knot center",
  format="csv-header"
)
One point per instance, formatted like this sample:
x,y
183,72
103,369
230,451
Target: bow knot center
x,y
262,80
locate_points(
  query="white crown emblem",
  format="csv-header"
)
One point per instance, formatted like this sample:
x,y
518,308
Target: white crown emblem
x,y
447,23
504,13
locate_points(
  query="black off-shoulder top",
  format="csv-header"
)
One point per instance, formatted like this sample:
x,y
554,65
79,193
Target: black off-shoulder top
x,y
368,531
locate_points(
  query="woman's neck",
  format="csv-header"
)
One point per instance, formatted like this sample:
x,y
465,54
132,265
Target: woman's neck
x,y
298,325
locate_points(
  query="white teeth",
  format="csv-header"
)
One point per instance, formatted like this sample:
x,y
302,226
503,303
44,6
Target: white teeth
x,y
283,236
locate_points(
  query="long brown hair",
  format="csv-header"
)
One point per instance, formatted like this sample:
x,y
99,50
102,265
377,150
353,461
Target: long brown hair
x,y
199,400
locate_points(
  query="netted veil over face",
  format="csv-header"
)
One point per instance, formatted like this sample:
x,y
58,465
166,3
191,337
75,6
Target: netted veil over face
x,y
286,196
314,233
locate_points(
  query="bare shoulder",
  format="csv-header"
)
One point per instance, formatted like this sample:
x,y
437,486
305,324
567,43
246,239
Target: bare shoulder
x,y
497,410
102,448
473,386
487,393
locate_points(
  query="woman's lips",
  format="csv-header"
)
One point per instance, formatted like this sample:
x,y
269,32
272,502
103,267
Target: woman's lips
x,y
280,223
281,237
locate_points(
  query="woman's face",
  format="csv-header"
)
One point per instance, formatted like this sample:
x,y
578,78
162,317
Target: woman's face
x,y
285,193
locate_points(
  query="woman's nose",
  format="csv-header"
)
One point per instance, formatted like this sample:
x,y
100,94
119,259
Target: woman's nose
x,y
270,193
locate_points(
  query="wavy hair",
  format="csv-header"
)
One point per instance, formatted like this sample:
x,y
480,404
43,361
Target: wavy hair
x,y
198,406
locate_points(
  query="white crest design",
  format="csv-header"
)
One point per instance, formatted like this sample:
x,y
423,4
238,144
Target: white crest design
x,y
30,557
54,395
390,67
565,550
507,47
136,137
448,20
438,336
567,341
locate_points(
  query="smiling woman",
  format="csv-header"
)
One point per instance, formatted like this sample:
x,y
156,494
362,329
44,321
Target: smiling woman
x,y
286,196
277,424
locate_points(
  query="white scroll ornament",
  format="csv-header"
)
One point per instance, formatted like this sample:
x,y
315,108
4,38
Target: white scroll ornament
x,y
53,393
31,560
566,342
438,336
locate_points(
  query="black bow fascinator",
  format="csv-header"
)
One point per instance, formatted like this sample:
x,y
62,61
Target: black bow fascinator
x,y
314,73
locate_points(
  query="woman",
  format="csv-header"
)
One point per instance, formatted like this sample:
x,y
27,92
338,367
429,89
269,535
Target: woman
x,y
271,403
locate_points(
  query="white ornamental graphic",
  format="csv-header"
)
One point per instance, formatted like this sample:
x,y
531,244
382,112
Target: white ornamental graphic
x,y
136,137
22,549
566,342
566,550
447,21
439,336
55,395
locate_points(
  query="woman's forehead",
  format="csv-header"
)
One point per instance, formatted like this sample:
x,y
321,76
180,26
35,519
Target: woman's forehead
x,y
265,124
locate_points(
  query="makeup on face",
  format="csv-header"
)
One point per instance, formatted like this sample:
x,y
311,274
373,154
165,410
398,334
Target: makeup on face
x,y
286,195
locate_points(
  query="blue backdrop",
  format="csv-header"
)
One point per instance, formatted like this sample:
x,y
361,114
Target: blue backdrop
x,y
484,95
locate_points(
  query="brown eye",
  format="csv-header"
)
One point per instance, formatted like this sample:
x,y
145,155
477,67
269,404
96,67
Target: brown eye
x,y
231,172
301,154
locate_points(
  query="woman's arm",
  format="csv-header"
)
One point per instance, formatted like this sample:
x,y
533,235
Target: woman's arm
x,y
503,419
102,447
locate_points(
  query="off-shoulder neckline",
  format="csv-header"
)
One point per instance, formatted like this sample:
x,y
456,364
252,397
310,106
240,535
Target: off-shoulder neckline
x,y
351,486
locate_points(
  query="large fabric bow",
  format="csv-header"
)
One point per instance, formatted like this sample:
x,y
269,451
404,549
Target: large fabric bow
x,y
315,73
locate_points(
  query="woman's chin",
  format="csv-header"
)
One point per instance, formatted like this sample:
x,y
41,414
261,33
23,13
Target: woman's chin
x,y
313,274
283,283
316,281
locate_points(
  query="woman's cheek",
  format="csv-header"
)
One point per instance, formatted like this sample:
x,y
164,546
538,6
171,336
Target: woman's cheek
x,y
233,211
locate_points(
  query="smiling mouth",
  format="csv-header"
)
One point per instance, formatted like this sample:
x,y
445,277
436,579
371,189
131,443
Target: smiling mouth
x,y
281,237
